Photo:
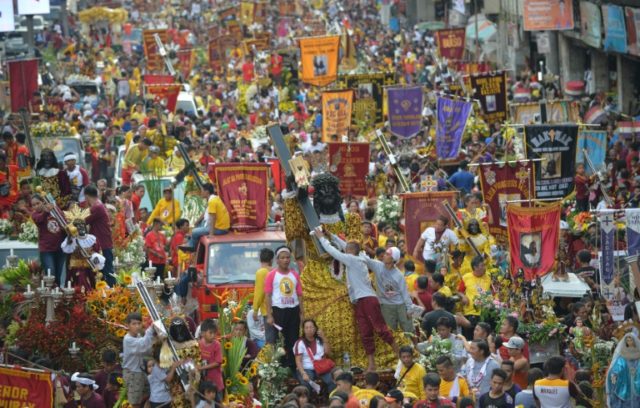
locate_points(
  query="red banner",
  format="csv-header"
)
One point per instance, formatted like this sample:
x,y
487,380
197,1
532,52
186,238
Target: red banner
x,y
244,188
22,388
277,174
350,163
501,184
155,62
185,59
421,210
451,43
216,59
534,235
158,79
165,94
23,82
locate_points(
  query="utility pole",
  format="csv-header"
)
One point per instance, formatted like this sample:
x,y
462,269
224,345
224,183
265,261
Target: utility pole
x,y
475,10
30,36
65,20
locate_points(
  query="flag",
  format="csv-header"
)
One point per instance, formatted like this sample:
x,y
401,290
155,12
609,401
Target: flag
x,y
155,62
215,56
246,12
632,217
421,210
185,60
336,113
595,143
451,43
165,94
534,236
501,184
350,163
369,88
405,110
556,146
155,79
491,89
23,83
452,119
243,189
22,388
607,246
319,60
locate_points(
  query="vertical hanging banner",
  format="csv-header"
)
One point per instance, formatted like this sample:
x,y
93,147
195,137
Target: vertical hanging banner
x,y
501,184
350,163
216,61
491,89
534,236
615,32
452,119
369,89
450,43
228,14
607,246
421,210
22,388
319,59
595,142
632,16
260,12
23,83
405,110
165,94
247,9
591,24
556,146
548,15
185,61
632,217
7,21
243,190
155,62
336,113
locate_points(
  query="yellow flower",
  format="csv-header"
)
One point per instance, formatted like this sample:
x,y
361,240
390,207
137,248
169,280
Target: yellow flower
x,y
122,301
101,285
244,380
239,375
228,383
227,345
127,279
120,381
224,361
253,370
121,332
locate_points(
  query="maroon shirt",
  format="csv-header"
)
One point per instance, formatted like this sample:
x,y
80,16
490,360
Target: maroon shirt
x,y
100,225
50,232
94,401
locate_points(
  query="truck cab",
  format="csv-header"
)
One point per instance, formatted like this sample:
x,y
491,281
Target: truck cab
x,y
229,263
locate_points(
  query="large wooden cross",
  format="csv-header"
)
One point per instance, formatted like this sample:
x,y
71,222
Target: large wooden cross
x,y
284,154
402,181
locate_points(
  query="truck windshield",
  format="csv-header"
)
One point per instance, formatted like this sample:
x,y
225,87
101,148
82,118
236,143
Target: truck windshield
x,y
60,146
237,261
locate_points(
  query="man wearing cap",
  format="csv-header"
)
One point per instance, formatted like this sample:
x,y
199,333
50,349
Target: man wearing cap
x,y
86,388
134,159
515,347
77,177
392,290
153,163
394,398
167,209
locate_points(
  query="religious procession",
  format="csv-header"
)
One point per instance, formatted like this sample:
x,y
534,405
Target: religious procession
x,y
319,203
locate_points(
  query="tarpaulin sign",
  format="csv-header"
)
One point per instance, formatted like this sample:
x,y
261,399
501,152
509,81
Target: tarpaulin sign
x,y
547,15
350,163
451,43
25,389
615,32
491,90
319,59
595,143
336,113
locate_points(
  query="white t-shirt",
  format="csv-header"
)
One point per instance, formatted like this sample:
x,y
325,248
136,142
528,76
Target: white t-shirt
x,y
310,148
285,288
429,235
300,349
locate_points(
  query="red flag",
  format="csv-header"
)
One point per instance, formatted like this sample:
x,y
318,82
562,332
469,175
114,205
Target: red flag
x,y
23,77
158,79
167,92
350,163
534,235
184,61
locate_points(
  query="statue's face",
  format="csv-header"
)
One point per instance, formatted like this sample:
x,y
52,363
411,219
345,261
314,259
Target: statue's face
x,y
179,331
474,227
328,198
81,227
48,158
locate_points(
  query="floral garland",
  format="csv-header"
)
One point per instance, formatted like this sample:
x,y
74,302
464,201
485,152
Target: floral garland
x,y
131,251
389,209
29,232
432,349
112,305
52,129
6,227
96,14
272,376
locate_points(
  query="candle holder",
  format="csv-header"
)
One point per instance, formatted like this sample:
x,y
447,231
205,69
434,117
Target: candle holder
x,y
74,351
56,295
45,295
158,286
170,282
12,260
49,280
68,293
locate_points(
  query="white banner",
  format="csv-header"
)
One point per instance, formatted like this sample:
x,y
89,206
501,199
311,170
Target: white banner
x,y
7,22
27,7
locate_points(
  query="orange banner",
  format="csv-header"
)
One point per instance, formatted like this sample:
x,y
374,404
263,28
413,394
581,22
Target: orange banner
x,y
336,114
22,388
154,59
350,163
451,43
543,15
319,57
261,42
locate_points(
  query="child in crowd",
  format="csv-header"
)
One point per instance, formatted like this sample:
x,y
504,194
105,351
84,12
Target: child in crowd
x,y
211,354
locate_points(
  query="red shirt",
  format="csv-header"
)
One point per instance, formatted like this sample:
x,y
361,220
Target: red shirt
x,y
50,232
212,353
504,352
425,298
582,187
156,241
442,403
100,225
276,64
176,240
247,71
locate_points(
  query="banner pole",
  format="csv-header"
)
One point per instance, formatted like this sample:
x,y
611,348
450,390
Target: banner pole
x,y
500,163
541,200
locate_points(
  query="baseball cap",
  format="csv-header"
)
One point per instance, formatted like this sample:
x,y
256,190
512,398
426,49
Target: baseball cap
x,y
394,395
515,342
395,253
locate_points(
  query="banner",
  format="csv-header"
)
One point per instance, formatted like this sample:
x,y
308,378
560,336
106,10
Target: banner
x,y
615,33
534,236
557,112
556,146
7,21
452,119
369,89
260,12
155,79
591,24
350,163
450,43
543,15
262,43
405,110
22,388
23,82
501,184
32,7
491,90
216,60
632,217
633,30
421,210
607,246
595,142
319,60
155,62
244,190
246,12
165,94
336,113
185,61
228,14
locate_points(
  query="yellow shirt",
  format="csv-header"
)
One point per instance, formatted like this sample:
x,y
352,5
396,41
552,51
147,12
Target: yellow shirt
x,y
382,240
258,292
154,165
139,116
411,281
167,211
365,395
128,137
354,389
463,387
445,291
412,381
216,207
472,285
134,157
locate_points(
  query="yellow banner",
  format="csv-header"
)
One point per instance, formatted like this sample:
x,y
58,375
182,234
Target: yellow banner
x,y
246,12
336,114
319,58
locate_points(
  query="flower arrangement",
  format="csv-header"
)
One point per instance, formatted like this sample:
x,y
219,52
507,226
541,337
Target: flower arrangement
x,y
489,307
272,375
432,349
194,207
130,251
52,129
475,124
541,332
579,221
6,227
389,209
99,14
112,305
236,382
19,275
28,232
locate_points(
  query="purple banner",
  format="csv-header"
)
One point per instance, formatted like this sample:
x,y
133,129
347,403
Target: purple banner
x,y
607,239
452,119
632,217
405,110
